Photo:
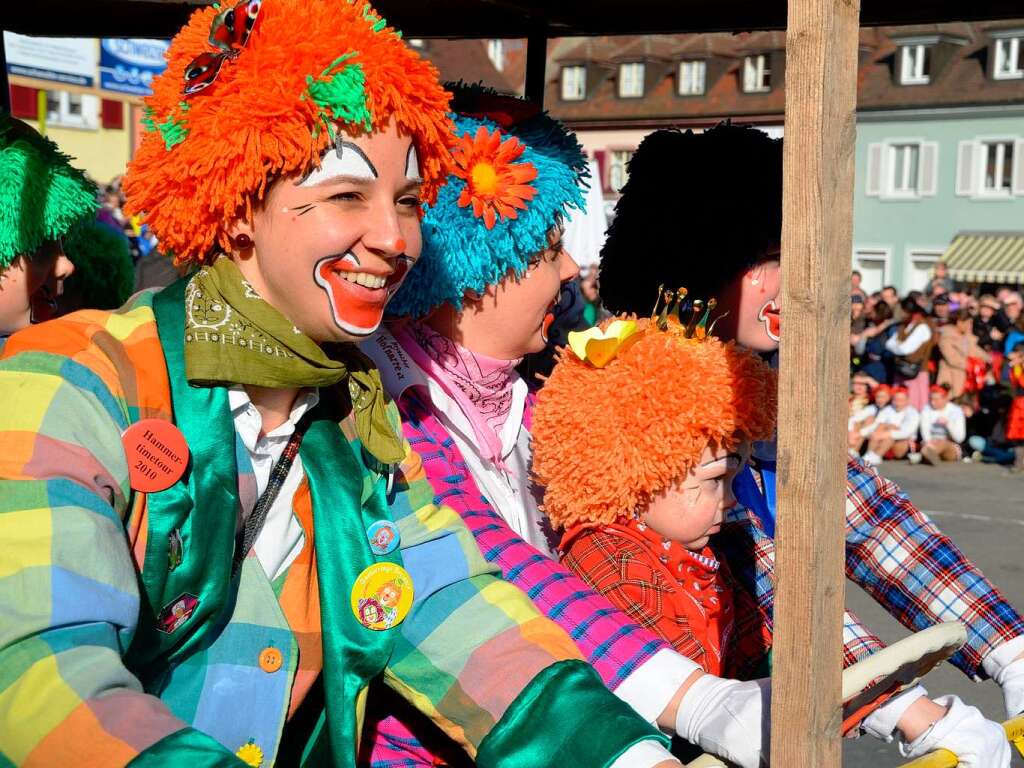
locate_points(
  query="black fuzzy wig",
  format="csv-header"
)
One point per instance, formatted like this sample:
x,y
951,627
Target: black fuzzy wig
x,y
698,210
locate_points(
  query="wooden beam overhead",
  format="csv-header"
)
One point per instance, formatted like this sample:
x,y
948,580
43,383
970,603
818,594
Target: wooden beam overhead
x,y
498,18
814,363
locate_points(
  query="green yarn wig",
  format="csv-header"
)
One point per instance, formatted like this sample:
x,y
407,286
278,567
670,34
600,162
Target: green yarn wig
x,y
41,195
460,252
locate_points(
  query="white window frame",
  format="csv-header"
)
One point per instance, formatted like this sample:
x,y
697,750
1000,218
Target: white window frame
x,y
496,53
1014,41
882,253
913,57
882,184
618,160
757,73
574,87
931,254
905,186
984,146
631,79
694,79
970,182
88,117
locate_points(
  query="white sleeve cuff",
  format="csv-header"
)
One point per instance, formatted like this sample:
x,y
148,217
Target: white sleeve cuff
x,y
643,754
650,687
1000,658
883,721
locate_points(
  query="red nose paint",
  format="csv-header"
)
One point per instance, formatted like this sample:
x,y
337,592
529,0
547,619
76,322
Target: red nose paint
x,y
400,245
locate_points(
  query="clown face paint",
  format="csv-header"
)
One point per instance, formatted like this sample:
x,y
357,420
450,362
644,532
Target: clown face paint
x,y
358,297
345,161
759,313
330,249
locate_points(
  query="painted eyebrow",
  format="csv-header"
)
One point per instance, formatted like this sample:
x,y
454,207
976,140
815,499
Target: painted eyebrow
x,y
345,145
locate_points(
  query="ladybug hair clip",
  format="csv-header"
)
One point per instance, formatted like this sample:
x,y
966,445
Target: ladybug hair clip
x,y
229,33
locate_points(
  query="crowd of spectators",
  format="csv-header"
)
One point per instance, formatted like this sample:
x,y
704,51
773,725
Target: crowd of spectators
x,y
937,375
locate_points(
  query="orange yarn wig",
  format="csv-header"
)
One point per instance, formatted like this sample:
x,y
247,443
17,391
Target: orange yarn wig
x,y
606,439
308,69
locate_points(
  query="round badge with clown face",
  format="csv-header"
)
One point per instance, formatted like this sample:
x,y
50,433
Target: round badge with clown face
x,y
383,537
382,596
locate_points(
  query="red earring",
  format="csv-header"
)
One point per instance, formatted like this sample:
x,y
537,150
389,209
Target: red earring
x,y
242,242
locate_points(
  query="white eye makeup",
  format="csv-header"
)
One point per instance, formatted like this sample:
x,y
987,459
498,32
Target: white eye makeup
x,y
349,162
412,164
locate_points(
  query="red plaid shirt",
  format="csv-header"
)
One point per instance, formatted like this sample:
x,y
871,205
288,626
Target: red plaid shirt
x,y
694,610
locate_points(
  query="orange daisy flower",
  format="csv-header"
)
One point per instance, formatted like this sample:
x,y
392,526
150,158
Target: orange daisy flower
x,y
496,185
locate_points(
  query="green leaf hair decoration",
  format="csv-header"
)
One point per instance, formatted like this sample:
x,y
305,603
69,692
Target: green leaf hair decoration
x,y
174,131
378,22
42,196
341,94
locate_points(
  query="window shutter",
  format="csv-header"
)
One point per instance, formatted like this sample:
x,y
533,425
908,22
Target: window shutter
x,y
873,180
112,114
601,158
929,168
966,155
1018,167
24,102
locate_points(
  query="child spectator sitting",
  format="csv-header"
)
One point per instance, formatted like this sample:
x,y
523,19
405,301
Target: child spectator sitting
x,y
943,428
640,474
862,424
894,429
861,407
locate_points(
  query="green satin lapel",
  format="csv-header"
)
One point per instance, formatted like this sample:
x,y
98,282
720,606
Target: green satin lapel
x,y
353,654
201,507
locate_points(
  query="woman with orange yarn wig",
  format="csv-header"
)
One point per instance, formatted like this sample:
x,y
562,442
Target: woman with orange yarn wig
x,y
197,481
637,454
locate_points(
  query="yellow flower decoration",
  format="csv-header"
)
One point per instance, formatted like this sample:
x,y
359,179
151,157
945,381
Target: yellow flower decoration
x,y
599,347
250,754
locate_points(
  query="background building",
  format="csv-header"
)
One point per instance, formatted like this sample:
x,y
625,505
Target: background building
x,y
940,130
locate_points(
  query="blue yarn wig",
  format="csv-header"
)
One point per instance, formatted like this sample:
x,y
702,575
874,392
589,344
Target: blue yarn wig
x,y
459,253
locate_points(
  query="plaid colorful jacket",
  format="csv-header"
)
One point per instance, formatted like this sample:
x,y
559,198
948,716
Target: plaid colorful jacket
x,y
74,553
898,556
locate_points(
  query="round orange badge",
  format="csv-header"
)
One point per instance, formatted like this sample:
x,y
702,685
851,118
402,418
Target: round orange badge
x,y
157,454
270,659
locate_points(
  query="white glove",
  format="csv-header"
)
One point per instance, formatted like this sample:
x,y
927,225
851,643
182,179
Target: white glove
x,y
964,731
728,718
1011,679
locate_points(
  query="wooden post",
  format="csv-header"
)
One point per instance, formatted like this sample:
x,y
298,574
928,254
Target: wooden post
x,y
536,62
821,76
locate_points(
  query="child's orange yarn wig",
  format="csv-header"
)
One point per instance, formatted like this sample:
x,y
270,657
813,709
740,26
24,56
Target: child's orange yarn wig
x,y
606,439
308,69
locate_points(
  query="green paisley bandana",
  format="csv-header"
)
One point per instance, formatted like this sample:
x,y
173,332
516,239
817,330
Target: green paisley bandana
x,y
233,336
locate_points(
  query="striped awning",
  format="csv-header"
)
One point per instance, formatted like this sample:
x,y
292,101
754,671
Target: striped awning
x,y
986,258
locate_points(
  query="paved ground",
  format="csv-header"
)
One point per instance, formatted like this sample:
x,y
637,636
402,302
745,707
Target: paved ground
x,y
981,507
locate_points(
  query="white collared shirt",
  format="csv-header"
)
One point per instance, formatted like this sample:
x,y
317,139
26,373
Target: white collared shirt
x,y
282,538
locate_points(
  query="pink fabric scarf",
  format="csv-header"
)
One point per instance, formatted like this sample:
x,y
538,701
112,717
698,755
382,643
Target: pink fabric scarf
x,y
481,386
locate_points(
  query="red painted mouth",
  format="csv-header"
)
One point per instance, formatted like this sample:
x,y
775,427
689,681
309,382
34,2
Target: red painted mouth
x,y
770,315
549,318
358,308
